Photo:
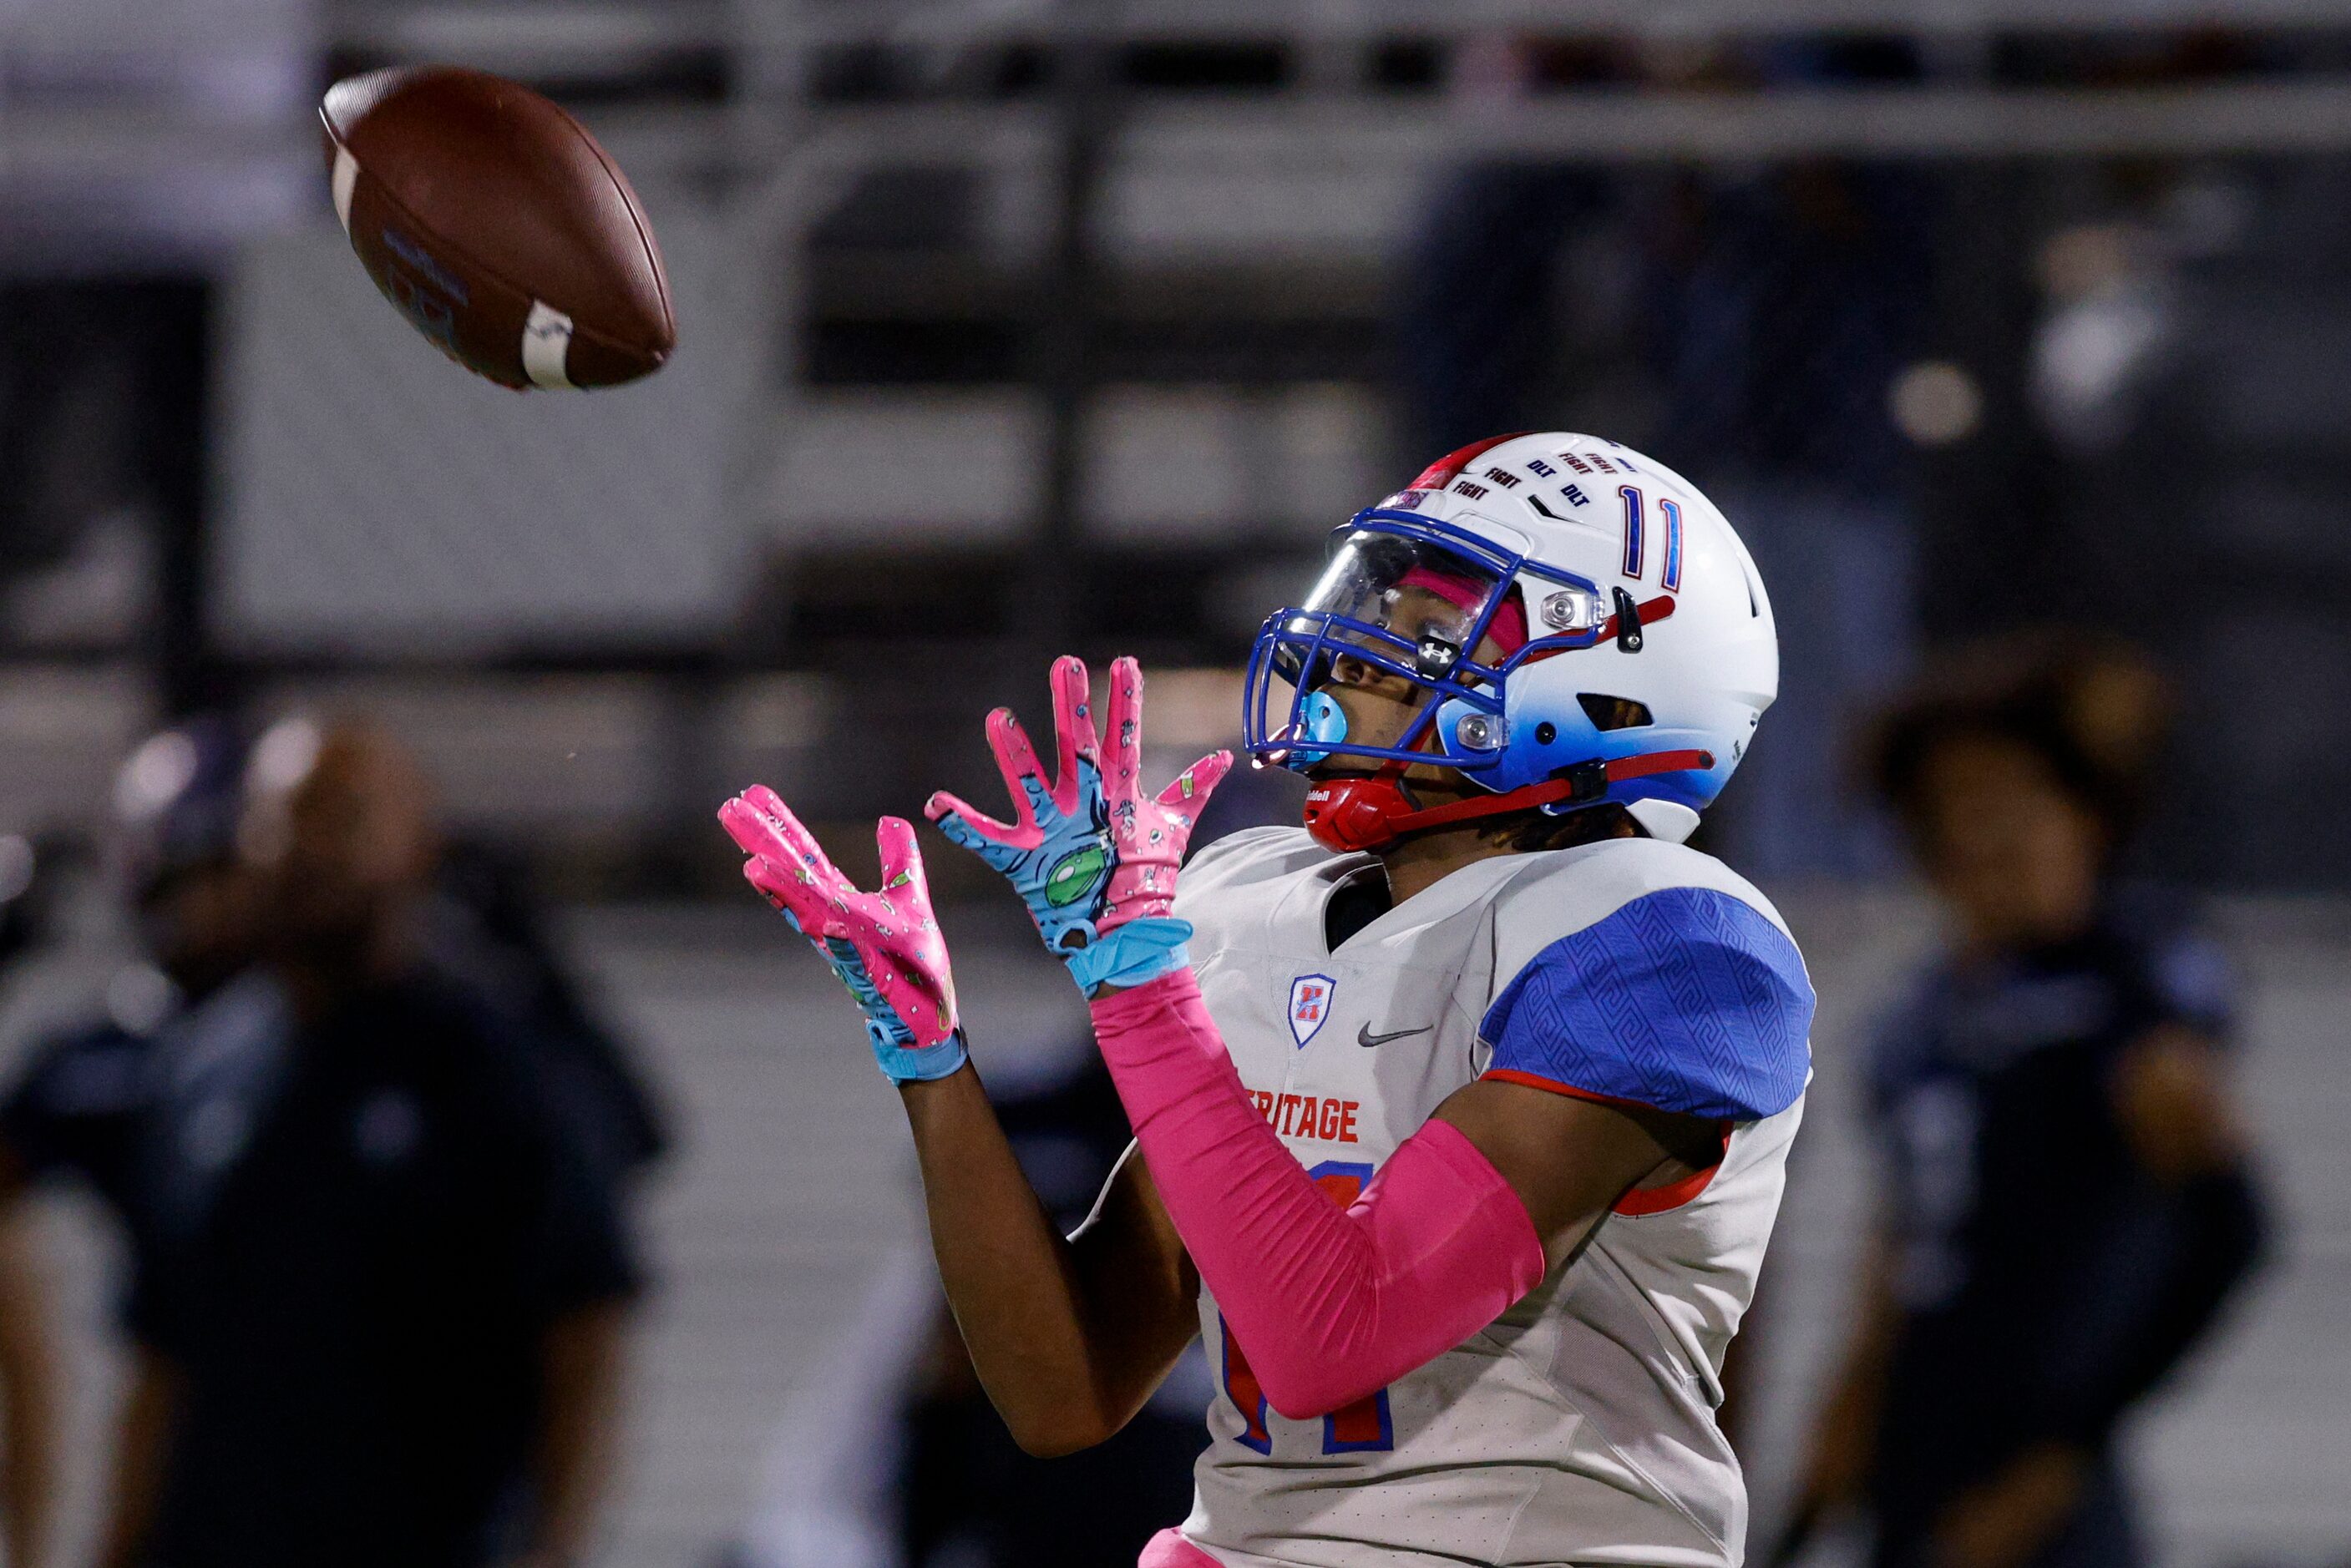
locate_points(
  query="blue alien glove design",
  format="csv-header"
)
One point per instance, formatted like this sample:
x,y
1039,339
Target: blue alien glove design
x,y
1092,856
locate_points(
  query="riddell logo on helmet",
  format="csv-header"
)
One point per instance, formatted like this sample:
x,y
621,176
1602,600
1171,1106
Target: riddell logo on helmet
x,y
1356,814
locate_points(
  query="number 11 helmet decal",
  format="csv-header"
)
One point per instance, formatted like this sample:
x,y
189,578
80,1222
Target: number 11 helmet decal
x,y
1587,624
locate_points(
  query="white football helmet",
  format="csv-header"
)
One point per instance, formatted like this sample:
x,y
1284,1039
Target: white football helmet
x,y
1638,646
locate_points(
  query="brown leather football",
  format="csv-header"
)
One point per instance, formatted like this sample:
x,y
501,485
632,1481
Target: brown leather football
x,y
498,227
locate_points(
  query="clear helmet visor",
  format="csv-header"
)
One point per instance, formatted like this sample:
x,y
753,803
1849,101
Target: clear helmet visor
x,y
1402,599
1411,598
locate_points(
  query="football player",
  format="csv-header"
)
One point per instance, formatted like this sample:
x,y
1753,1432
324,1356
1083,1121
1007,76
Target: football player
x,y
1462,1113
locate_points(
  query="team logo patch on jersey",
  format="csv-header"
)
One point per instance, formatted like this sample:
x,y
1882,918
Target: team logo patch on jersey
x,y
1310,1004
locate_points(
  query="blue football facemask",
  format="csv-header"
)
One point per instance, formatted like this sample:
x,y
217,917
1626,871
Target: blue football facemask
x,y
1410,596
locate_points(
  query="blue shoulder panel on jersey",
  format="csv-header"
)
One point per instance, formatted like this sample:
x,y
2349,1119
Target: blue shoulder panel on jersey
x,y
1687,999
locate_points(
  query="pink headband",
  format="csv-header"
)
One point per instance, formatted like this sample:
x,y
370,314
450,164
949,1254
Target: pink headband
x,y
1508,627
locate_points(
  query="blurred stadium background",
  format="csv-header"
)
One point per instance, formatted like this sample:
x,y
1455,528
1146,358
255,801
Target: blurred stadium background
x,y
1013,327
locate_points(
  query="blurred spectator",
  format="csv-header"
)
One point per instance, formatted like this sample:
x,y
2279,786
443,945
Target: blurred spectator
x,y
396,1335
2069,1198
919,1470
381,1270
78,1107
484,929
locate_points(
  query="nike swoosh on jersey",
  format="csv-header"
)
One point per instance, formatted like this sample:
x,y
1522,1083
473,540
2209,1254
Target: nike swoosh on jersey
x,y
1364,1036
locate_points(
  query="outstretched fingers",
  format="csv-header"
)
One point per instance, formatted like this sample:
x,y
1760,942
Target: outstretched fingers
x,y
761,824
1192,787
1073,729
808,907
749,828
1122,769
791,833
1024,776
1016,758
904,886
785,863
962,825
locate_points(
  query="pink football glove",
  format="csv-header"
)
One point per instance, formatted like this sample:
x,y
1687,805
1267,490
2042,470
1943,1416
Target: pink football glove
x,y
885,946
1093,857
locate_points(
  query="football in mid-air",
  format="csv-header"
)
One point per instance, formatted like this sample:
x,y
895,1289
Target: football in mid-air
x,y
498,227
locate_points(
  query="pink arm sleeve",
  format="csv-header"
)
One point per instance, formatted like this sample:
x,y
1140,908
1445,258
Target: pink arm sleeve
x,y
1330,1304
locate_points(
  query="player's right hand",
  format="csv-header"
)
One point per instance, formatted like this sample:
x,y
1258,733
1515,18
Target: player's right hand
x,y
886,946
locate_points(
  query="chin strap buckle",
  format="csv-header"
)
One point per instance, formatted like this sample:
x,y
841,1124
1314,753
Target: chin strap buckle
x,y
1587,782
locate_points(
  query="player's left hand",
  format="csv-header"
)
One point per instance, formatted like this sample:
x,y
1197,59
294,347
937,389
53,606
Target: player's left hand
x,y
886,947
1093,857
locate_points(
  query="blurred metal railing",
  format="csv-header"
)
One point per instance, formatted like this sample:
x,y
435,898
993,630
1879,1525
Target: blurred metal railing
x,y
1086,449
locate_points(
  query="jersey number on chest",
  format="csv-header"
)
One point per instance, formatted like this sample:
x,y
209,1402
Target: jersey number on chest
x,y
1359,1428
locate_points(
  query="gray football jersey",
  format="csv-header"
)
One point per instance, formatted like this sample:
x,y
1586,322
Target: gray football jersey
x,y
1580,1425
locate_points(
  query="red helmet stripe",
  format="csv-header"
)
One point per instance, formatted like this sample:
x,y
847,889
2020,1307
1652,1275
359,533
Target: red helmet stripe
x,y
1652,612
1439,474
